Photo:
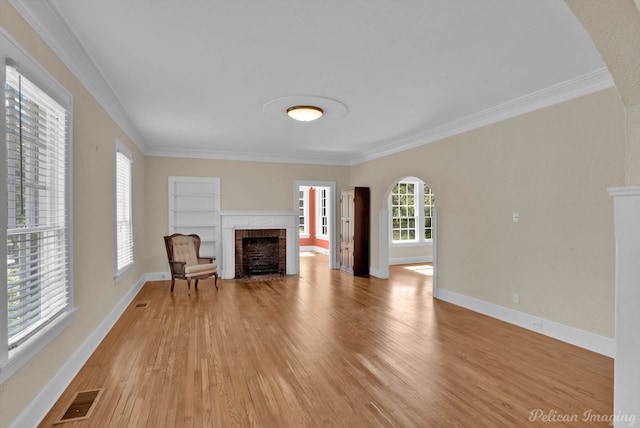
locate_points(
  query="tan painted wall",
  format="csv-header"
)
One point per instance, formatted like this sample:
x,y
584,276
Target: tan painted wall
x,y
243,186
553,166
96,294
614,28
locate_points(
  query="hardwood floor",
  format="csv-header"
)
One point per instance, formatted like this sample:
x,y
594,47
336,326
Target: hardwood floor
x,y
328,349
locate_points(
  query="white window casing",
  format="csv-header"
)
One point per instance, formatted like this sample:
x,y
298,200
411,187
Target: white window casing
x,y
36,155
322,208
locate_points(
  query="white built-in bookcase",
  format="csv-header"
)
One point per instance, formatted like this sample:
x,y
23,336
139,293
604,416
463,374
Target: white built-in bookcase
x,y
194,207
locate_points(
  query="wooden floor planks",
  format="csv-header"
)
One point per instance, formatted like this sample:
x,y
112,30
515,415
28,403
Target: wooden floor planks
x,y
328,349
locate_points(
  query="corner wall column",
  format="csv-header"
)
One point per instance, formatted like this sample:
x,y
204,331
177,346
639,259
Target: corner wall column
x,y
626,400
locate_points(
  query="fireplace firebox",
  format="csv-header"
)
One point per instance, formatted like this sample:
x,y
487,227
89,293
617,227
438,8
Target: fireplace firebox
x,y
260,252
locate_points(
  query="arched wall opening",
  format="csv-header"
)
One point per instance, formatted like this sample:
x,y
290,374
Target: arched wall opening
x,y
408,225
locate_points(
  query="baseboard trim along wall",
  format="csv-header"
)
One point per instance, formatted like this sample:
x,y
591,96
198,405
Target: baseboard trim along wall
x,y
157,276
40,406
581,338
316,249
410,260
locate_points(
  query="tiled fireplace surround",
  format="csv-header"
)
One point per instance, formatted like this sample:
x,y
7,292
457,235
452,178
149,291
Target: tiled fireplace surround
x,y
239,224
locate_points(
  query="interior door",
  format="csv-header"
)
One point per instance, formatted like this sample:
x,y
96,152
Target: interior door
x,y
346,229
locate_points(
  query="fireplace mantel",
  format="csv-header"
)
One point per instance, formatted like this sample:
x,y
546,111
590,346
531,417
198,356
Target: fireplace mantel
x,y
232,220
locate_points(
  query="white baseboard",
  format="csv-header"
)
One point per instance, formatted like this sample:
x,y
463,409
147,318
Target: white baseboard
x,y
47,397
410,260
584,339
157,276
316,249
376,272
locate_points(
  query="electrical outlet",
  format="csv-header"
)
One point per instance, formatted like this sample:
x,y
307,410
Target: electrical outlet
x,y
537,325
516,298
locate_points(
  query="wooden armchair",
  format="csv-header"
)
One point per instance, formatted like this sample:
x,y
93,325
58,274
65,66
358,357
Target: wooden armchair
x,y
185,262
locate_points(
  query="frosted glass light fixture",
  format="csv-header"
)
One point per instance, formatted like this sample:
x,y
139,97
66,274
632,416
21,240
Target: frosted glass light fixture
x,y
305,113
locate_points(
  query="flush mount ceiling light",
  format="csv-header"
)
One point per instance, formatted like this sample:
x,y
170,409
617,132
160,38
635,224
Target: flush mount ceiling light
x,y
327,108
305,113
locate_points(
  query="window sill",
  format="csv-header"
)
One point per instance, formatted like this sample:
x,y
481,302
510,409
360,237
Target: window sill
x,y
19,357
427,243
122,273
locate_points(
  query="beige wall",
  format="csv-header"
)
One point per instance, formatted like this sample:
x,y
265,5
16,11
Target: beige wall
x,y
243,186
95,293
614,28
553,166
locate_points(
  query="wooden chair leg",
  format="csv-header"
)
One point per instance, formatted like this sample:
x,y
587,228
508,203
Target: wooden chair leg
x,y
196,284
173,283
215,282
189,286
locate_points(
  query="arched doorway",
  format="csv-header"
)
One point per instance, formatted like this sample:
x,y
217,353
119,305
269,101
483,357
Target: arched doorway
x,y
408,226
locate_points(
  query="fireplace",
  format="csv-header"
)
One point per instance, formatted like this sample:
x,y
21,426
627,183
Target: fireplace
x,y
285,222
260,252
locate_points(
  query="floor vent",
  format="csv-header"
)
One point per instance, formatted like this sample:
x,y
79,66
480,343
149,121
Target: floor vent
x,y
81,406
141,305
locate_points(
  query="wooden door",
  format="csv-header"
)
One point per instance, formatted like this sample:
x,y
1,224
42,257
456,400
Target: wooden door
x,y
347,197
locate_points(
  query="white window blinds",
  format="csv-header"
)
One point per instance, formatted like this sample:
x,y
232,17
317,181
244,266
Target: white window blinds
x,y
38,223
124,226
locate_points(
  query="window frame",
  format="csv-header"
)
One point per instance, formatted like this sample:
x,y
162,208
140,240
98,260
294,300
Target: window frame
x,y
432,207
418,211
322,215
12,360
121,272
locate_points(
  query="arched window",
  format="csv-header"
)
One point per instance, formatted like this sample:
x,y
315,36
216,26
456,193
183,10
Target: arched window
x,y
411,204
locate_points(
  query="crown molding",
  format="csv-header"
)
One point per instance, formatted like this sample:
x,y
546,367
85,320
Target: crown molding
x,y
556,94
251,157
54,30
44,18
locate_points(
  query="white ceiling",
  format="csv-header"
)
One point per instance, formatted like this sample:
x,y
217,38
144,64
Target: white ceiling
x,y
213,78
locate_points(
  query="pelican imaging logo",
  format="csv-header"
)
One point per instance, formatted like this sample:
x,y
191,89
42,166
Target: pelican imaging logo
x,y
553,416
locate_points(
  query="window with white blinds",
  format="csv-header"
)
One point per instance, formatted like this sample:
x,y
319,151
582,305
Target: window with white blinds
x,y
124,226
38,200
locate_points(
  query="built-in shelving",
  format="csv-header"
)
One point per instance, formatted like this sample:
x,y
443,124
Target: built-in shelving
x,y
194,207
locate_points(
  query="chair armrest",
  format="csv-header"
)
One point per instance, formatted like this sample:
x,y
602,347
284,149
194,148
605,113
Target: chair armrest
x,y
177,267
202,260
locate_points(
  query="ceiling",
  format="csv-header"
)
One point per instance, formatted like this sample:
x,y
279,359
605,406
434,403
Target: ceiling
x,y
213,78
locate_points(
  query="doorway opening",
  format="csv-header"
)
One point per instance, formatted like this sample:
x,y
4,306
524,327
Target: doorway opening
x,y
408,228
315,201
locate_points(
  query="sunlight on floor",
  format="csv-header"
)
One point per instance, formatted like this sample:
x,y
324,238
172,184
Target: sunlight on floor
x,y
426,270
307,254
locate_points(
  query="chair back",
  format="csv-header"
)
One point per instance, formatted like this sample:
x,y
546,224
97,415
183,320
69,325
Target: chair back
x,y
183,248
